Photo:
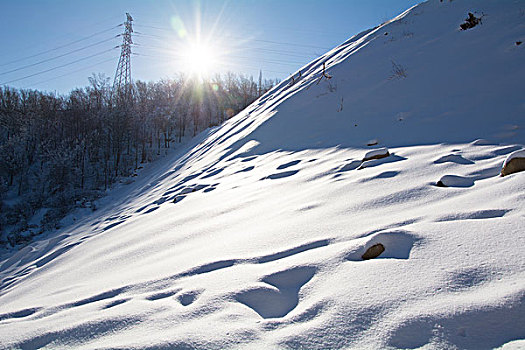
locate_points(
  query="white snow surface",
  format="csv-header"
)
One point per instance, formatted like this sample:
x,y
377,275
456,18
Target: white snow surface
x,y
515,154
263,246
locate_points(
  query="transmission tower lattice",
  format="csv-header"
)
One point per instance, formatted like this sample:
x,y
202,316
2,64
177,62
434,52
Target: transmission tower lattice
x,y
122,82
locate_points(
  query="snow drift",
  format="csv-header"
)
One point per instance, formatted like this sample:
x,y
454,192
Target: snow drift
x,y
254,236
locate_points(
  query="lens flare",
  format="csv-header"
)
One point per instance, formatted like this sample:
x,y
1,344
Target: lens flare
x,y
178,26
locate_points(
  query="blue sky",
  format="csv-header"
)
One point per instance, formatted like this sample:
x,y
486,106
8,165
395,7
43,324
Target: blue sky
x,y
58,44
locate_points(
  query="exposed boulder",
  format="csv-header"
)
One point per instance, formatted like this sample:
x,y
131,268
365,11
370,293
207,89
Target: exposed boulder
x,y
376,154
373,252
514,163
470,22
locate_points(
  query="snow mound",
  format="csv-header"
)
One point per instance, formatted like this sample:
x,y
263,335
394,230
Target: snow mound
x,y
455,181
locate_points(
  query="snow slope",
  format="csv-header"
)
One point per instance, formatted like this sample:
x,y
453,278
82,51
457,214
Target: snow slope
x,y
253,236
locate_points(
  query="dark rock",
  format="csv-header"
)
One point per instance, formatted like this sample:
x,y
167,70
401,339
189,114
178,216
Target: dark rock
x,y
513,166
470,22
377,156
373,252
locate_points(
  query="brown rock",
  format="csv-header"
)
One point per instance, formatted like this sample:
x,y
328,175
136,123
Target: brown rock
x,y
513,166
377,156
373,252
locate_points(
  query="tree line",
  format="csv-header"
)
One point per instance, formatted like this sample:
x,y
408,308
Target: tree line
x,y
62,151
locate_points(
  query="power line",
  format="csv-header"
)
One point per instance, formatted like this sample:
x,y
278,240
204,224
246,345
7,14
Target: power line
x,y
277,52
61,66
170,59
288,44
252,67
76,71
56,57
162,49
281,52
61,46
281,62
235,37
287,28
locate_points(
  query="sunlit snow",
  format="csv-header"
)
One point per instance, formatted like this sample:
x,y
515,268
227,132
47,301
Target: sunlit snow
x,y
253,236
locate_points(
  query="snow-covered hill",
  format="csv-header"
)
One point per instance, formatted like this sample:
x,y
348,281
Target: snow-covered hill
x,y
253,236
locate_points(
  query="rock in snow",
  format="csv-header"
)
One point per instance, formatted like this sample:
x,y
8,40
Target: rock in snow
x,y
514,163
372,142
376,154
374,251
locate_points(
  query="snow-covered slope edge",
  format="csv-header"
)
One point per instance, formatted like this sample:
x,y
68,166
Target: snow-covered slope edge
x,y
273,211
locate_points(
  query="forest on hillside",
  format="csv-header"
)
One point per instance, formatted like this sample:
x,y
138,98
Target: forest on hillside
x,y
60,152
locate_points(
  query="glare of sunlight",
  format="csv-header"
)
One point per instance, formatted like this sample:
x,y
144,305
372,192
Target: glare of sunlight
x,y
199,59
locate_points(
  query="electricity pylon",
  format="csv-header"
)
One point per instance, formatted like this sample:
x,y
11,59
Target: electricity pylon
x,y
122,83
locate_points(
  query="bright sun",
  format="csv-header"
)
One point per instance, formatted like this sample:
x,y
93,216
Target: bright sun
x,y
199,59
